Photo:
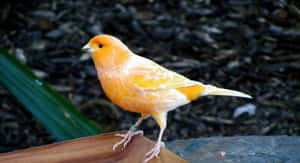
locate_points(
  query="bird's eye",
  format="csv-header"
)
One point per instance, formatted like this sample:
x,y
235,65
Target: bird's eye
x,y
100,45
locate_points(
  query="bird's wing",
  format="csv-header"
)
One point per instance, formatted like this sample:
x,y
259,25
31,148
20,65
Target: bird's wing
x,y
147,75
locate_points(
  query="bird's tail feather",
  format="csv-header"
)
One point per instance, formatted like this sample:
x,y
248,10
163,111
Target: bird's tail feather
x,y
198,89
212,90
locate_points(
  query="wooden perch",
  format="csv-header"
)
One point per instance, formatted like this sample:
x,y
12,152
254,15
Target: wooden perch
x,y
91,149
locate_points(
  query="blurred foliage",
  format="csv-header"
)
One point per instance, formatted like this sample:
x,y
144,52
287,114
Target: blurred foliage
x,y
60,117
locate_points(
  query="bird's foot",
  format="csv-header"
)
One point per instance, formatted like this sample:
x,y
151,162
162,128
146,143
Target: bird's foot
x,y
154,152
126,138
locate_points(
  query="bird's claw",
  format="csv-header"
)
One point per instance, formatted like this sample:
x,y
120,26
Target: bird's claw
x,y
154,152
126,138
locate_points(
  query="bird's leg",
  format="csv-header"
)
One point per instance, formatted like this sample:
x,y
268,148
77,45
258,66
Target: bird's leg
x,y
129,135
154,152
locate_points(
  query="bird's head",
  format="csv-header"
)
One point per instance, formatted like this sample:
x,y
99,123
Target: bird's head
x,y
101,43
106,50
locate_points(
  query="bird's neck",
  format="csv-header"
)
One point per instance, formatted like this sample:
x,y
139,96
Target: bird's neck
x,y
112,59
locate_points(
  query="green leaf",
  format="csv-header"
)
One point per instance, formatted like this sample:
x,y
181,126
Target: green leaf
x,y
59,116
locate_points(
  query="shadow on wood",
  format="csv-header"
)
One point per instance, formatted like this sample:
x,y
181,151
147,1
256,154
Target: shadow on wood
x,y
91,149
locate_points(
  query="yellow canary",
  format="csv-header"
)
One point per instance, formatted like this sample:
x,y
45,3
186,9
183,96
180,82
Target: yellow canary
x,y
140,85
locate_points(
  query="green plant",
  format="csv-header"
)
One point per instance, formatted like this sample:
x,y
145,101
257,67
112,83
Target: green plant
x,y
59,116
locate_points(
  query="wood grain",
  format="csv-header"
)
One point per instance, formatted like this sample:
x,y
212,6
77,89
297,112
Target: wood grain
x,y
91,149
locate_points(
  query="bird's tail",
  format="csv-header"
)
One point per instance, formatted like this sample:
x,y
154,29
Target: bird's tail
x,y
198,89
212,90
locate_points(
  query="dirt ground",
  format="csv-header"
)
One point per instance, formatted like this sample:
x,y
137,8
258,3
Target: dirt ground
x,y
251,46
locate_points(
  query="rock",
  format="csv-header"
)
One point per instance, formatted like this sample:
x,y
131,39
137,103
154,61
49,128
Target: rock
x,y
54,34
185,63
20,55
162,33
44,14
212,30
39,45
230,25
65,27
206,38
95,29
6,115
233,64
195,12
137,27
182,38
157,8
40,74
248,108
235,16
292,33
276,30
238,149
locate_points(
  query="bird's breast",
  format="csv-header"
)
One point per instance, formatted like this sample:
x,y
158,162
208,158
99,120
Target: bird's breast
x,y
130,98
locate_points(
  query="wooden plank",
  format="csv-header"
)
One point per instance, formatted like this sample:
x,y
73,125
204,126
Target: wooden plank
x,y
90,149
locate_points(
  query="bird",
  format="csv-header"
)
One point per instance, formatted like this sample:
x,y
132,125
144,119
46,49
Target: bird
x,y
140,85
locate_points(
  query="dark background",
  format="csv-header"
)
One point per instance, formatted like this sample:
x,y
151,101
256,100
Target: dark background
x,y
247,45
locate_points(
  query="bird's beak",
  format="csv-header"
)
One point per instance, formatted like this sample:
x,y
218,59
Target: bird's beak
x,y
87,48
